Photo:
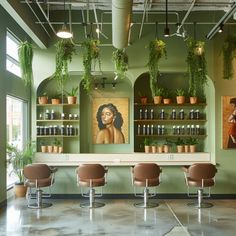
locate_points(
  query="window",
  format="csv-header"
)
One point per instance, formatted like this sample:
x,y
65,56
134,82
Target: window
x,y
12,62
16,129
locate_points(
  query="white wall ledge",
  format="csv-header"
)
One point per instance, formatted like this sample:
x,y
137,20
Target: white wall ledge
x,y
123,159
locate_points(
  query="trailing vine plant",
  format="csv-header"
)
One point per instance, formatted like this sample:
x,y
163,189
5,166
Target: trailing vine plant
x,y
91,52
65,49
196,68
157,50
229,53
25,53
120,59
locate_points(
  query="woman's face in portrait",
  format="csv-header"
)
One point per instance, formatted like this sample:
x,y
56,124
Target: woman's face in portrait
x,y
233,106
107,116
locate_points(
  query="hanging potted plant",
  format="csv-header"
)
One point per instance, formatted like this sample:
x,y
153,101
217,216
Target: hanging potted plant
x,y
91,53
19,159
120,60
229,49
157,50
197,69
25,53
65,49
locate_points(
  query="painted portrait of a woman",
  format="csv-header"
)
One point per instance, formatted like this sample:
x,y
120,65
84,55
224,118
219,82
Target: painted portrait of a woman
x,y
109,121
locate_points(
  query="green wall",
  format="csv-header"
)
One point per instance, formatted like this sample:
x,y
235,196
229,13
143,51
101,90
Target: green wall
x,y
119,177
9,85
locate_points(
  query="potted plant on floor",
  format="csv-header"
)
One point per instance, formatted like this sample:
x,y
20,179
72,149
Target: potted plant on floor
x,y
19,159
71,95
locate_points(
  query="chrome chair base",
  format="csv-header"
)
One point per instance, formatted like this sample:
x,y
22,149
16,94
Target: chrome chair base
x,y
92,205
36,206
147,205
201,205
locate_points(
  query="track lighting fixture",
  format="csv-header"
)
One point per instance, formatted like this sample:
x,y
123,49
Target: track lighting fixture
x,y
101,83
64,33
221,28
166,30
222,21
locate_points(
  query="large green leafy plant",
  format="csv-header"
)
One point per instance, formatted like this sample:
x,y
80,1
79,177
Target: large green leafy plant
x,y
120,60
65,49
196,68
20,158
229,53
157,50
25,53
91,53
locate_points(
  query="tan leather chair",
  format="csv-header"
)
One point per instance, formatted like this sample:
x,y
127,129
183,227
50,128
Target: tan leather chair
x,y
200,176
145,175
38,176
91,176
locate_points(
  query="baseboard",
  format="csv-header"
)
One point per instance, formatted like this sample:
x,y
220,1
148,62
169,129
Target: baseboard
x,y
131,196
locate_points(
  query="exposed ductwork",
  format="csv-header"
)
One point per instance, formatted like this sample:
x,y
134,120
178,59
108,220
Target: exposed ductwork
x,y
121,19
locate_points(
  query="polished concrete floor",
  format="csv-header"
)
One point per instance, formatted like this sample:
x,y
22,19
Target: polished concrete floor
x,y
118,217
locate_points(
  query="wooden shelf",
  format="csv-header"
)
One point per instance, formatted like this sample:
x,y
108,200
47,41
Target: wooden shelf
x,y
174,135
171,104
171,121
57,105
57,136
46,121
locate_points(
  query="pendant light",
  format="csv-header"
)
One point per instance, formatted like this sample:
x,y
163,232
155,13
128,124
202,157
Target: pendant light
x,y
166,30
64,33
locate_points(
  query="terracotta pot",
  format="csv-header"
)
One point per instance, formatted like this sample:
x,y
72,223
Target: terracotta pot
x,y
166,148
20,190
160,149
157,99
154,149
143,100
186,148
71,99
50,148
180,148
192,148
60,149
147,149
166,100
43,100
180,99
193,100
43,148
55,149
55,101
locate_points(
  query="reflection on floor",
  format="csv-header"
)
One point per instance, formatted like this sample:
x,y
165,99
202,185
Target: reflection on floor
x,y
119,217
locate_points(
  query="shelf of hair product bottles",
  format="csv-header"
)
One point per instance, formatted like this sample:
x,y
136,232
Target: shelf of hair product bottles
x,y
52,123
170,122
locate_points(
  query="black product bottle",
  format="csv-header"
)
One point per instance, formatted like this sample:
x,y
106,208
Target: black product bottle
x,y
140,114
139,129
144,129
158,130
181,114
50,130
52,117
63,130
148,130
38,130
173,114
145,114
55,130
151,114
162,114
152,129
197,114
47,115
191,115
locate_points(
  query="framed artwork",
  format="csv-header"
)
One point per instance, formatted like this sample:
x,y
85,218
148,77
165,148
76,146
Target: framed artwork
x,y
229,121
110,120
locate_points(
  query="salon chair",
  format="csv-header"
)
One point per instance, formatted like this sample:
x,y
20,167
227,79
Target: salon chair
x,y
146,176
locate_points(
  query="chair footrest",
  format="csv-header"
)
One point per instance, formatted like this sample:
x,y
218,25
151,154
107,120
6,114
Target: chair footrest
x,y
202,205
36,206
94,205
148,205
